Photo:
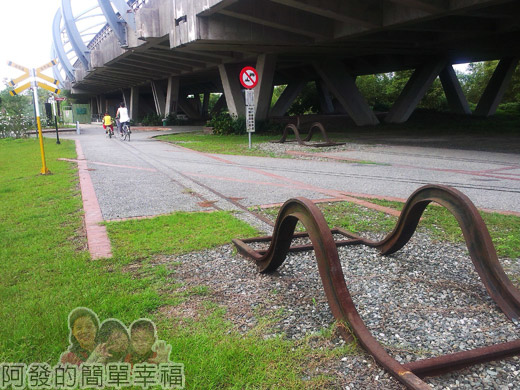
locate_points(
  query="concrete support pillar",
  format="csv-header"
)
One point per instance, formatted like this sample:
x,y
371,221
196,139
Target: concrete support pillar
x,y
344,88
126,97
186,106
414,91
101,104
172,96
496,87
285,100
265,66
205,105
93,106
158,98
232,89
453,91
133,109
326,106
195,103
219,105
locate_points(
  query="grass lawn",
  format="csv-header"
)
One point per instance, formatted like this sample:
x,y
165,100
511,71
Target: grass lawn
x,y
47,272
221,144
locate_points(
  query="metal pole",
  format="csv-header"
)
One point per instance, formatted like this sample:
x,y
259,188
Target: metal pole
x,y
44,170
249,140
55,121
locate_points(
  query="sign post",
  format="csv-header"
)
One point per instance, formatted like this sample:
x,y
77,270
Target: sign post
x,y
52,101
249,80
32,74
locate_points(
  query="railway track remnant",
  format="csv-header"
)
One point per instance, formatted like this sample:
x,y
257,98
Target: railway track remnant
x,y
315,126
478,242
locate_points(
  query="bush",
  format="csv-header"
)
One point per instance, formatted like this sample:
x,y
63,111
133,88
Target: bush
x,y
224,124
172,120
151,120
510,108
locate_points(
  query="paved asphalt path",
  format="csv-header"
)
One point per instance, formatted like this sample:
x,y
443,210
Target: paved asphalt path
x,y
146,177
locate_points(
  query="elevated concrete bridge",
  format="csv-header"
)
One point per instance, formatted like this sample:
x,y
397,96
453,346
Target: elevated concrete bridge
x,y
156,53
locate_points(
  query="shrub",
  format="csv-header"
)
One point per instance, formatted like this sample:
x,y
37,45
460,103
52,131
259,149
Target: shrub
x,y
224,124
151,120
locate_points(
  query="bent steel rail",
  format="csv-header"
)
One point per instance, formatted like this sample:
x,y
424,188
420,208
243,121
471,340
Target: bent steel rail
x,y
305,141
478,241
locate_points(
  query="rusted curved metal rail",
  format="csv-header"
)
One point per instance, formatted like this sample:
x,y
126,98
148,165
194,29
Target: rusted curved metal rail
x,y
478,241
305,141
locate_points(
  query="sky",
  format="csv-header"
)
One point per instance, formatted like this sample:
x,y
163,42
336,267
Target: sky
x,y
26,33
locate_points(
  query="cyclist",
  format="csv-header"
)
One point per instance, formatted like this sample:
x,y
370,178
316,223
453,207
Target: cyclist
x,y
107,123
122,115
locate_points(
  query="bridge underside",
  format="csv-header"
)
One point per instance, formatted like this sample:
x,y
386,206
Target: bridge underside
x,y
188,47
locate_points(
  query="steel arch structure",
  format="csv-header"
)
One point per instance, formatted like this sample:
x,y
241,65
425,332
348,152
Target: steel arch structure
x,y
71,40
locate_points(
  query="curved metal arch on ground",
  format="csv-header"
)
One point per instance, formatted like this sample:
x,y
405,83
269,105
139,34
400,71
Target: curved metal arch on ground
x,y
478,241
75,39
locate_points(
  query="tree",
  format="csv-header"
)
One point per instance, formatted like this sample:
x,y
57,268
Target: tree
x,y
479,73
15,114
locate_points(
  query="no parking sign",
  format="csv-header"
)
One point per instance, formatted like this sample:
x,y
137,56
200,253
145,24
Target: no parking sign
x,y
249,77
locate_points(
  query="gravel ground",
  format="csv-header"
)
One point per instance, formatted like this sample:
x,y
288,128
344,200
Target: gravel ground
x,y
423,301
280,149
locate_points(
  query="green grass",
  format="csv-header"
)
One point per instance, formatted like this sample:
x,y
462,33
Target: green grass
x,y
174,234
422,123
221,144
46,272
437,221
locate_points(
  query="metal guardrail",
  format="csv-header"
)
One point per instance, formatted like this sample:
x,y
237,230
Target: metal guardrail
x,y
478,242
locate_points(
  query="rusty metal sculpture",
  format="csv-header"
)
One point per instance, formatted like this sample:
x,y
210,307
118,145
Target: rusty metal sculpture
x,y
478,241
305,141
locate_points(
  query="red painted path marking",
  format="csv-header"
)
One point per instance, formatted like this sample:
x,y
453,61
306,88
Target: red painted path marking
x,y
97,237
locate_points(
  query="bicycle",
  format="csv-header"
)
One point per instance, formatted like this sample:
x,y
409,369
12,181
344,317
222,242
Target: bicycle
x,y
125,132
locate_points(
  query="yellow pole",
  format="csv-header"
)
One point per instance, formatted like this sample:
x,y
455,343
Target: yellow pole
x,y
44,170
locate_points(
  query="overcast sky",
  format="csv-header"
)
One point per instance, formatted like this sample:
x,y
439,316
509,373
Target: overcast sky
x,y
26,33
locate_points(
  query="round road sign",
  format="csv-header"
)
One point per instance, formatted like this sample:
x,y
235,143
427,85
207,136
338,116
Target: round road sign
x,y
249,77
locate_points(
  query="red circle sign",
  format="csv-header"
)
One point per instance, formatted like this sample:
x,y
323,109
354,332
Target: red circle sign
x,y
249,77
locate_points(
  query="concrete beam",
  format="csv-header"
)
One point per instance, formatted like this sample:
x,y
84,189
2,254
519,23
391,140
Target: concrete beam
x,y
453,91
291,91
344,88
414,91
265,66
496,87
229,76
172,95
432,6
225,29
357,12
267,13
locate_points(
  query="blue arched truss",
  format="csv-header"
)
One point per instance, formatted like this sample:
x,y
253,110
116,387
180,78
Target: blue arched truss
x,y
71,44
